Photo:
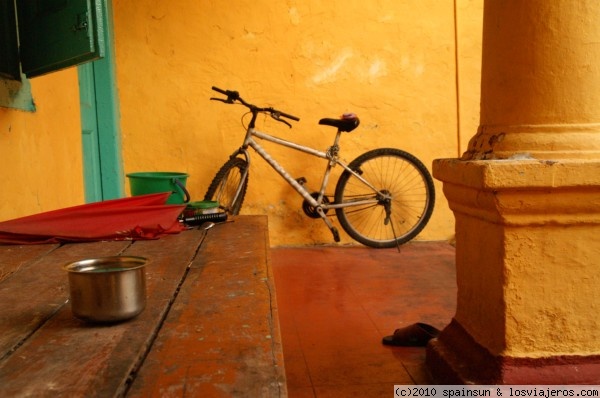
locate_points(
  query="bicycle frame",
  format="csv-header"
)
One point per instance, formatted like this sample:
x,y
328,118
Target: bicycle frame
x,y
330,155
401,190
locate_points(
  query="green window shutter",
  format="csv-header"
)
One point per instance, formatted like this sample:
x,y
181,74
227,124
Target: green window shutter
x,y
55,34
9,51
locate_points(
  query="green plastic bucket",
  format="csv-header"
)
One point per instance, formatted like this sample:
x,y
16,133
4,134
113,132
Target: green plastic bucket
x,y
160,181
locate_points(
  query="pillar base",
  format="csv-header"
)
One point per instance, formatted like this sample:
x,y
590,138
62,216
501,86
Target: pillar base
x,y
527,260
456,358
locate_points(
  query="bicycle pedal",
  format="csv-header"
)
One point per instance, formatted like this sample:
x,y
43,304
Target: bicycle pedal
x,y
336,234
301,180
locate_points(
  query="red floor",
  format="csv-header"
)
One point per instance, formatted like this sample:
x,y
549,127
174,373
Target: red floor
x,y
336,304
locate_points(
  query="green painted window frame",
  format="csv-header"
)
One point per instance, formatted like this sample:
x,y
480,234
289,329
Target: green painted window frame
x,y
43,36
57,34
15,89
100,122
9,47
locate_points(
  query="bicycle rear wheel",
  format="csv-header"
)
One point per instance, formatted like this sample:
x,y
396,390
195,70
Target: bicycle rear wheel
x,y
225,184
400,213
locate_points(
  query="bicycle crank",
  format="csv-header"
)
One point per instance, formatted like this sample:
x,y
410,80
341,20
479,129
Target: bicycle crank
x,y
334,231
312,211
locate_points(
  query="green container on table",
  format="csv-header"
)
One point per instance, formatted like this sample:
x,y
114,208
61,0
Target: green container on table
x,y
143,183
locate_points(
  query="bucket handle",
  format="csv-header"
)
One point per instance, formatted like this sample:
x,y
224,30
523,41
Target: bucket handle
x,y
182,190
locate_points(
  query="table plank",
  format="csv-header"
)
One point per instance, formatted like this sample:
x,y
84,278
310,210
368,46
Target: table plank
x,y
13,257
68,357
221,337
38,287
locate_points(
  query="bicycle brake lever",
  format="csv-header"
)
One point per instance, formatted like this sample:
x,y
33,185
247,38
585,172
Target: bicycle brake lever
x,y
276,117
227,101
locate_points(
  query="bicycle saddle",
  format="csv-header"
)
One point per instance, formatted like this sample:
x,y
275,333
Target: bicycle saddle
x,y
348,122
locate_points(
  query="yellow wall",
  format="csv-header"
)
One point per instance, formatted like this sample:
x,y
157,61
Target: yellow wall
x,y
393,63
41,152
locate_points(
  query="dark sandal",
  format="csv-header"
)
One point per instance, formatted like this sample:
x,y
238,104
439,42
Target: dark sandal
x,y
415,335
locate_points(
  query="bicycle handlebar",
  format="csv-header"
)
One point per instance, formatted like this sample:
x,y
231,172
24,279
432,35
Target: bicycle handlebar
x,y
233,96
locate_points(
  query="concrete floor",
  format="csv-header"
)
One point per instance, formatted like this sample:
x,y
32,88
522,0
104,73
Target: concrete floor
x,y
336,304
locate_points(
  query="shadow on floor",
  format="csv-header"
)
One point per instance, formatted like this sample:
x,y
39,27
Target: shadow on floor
x,y
336,304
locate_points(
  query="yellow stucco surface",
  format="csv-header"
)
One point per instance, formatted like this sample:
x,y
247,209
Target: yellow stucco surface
x,y
41,151
410,70
393,63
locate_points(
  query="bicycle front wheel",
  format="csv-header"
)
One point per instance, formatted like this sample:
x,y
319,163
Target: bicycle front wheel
x,y
399,210
225,185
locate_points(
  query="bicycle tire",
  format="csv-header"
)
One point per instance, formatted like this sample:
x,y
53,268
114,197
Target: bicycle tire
x,y
225,184
405,179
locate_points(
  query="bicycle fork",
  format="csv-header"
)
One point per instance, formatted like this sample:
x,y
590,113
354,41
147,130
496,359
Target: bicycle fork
x,y
245,172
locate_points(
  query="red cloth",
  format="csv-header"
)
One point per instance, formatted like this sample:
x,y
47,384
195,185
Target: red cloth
x,y
133,218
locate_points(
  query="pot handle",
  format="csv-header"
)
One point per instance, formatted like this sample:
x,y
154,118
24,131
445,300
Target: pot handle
x,y
182,190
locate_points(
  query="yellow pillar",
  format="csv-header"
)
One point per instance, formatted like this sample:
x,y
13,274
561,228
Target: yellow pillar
x,y
526,198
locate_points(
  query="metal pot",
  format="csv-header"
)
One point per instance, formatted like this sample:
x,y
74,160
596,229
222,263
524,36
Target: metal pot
x,y
107,289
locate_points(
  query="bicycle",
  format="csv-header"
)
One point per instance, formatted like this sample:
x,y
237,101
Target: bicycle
x,y
383,198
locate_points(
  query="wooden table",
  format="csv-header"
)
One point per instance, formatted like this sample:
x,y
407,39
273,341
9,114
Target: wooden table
x,y
210,327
